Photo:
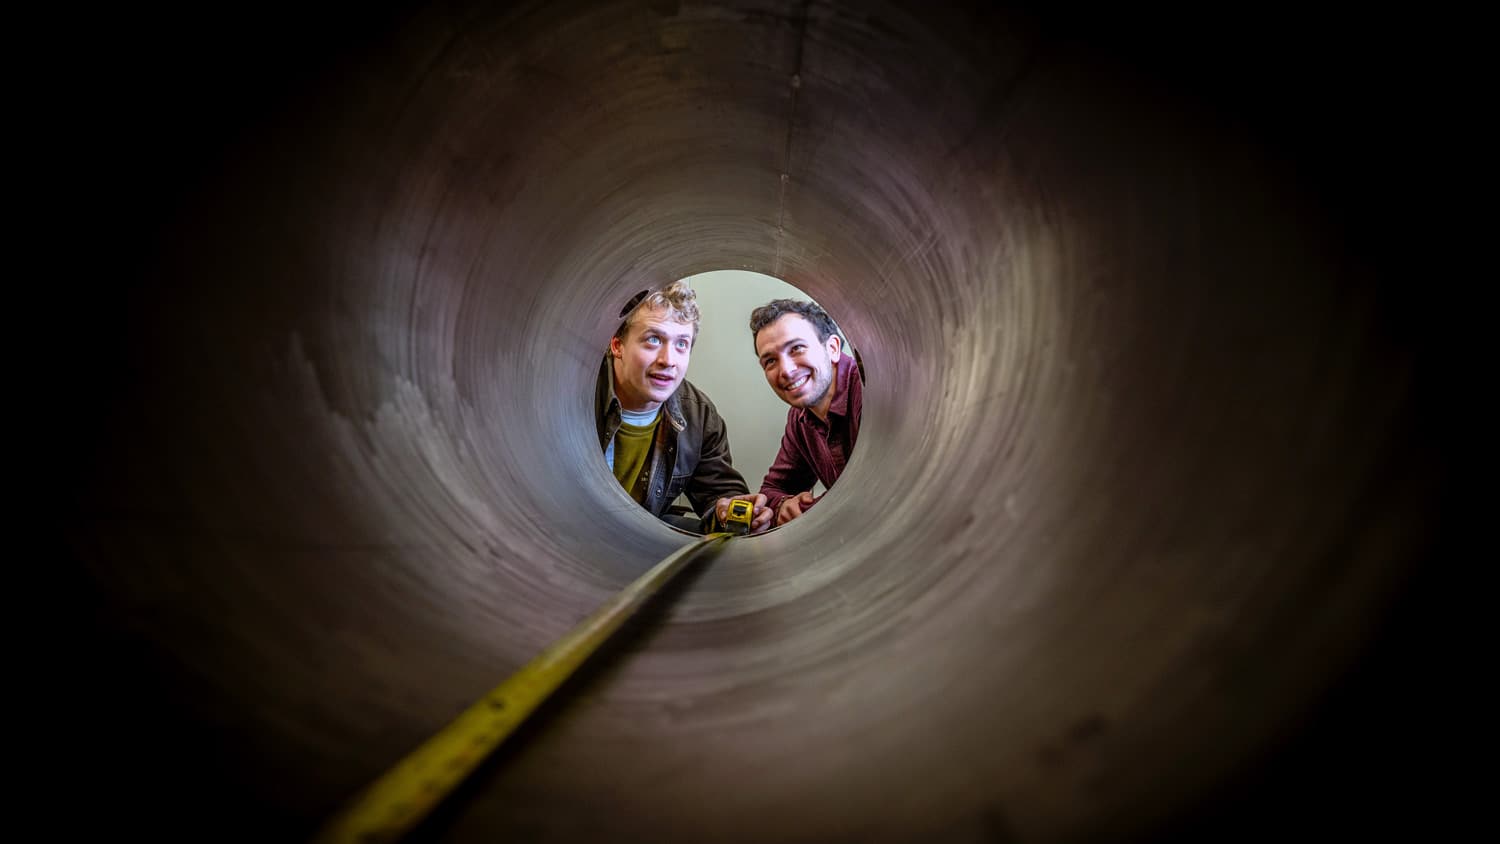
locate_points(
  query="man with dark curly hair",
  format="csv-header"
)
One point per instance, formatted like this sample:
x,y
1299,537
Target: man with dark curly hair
x,y
807,366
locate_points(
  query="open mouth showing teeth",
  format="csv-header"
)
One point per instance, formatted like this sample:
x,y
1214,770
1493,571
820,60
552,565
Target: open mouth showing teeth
x,y
796,385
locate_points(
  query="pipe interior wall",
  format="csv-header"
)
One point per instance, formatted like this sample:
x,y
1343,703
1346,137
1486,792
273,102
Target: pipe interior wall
x,y
1135,485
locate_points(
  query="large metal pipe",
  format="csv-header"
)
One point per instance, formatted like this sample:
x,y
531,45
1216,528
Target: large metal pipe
x,y
1134,487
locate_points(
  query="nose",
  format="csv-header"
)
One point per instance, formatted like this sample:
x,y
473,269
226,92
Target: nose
x,y
785,364
669,357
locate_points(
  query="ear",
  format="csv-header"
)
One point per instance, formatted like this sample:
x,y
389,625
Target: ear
x,y
835,346
616,349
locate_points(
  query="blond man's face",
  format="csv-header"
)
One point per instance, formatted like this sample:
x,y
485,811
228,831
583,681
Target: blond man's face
x,y
651,360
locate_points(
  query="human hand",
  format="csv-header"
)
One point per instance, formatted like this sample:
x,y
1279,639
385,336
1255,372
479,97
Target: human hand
x,y
792,507
760,514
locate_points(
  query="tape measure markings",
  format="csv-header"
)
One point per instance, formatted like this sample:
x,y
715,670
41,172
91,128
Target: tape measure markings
x,y
399,799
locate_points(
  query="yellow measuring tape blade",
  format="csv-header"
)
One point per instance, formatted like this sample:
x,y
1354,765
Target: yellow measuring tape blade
x,y
405,794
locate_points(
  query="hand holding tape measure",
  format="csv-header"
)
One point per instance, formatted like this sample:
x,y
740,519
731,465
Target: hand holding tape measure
x,y
743,514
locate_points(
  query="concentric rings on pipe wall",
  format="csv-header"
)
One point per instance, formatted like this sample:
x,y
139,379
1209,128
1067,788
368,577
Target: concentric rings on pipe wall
x,y
1123,506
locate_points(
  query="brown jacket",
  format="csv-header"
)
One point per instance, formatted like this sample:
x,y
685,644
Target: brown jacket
x,y
691,453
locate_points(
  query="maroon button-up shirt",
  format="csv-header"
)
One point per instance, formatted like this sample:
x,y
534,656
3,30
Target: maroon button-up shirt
x,y
812,450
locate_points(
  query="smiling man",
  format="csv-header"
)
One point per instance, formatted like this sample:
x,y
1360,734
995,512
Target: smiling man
x,y
807,367
661,435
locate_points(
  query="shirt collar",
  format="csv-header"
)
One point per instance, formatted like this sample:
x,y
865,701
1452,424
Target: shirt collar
x,y
840,404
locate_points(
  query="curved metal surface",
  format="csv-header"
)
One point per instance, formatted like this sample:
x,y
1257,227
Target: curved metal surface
x,y
1134,486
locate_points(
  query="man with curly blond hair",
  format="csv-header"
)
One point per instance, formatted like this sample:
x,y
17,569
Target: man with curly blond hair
x,y
661,436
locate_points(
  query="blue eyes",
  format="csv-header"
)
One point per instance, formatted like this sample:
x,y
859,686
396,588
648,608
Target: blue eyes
x,y
653,342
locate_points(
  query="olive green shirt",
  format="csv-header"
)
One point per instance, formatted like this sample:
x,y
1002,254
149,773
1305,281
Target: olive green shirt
x,y
632,448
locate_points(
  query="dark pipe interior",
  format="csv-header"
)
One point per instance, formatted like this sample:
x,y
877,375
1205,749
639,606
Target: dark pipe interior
x,y
1142,472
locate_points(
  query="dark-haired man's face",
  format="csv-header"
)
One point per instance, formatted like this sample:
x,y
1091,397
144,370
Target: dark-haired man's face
x,y
798,366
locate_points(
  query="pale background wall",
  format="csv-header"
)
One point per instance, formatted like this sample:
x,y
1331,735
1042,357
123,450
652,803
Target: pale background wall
x,y
724,366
